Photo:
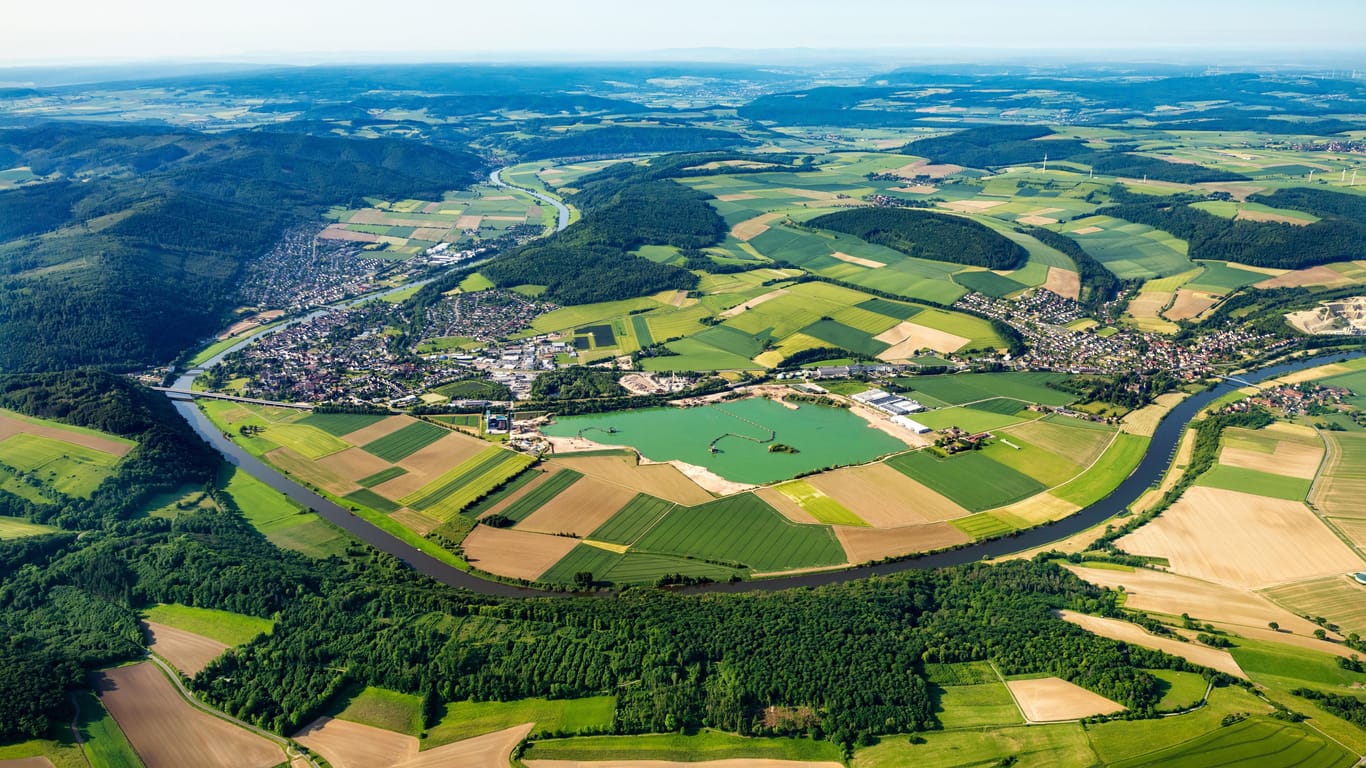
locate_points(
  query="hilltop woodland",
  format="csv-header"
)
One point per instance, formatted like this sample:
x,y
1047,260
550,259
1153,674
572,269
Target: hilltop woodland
x,y
853,653
624,207
134,266
927,235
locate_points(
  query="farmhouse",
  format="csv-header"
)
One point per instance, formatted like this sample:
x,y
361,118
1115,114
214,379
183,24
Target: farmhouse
x,y
914,426
889,403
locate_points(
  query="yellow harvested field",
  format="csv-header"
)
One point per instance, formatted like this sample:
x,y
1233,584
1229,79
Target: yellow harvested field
x,y
434,234
786,506
513,553
429,463
1339,598
745,762
492,749
1281,218
1290,459
752,228
736,197
1242,540
1123,631
1049,699
1353,528
384,218
1305,277
1173,594
340,232
1189,304
415,521
809,194
1238,190
1063,282
862,262
1144,421
862,545
377,430
353,464
917,189
732,763
351,745
1040,509
186,651
754,302
167,732
13,425
885,498
906,337
972,206
468,222
1149,304
1340,498
311,472
1036,221
926,168
662,480
579,509
1087,230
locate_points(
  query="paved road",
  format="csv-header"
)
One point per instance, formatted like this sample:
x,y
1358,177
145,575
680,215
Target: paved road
x,y
496,179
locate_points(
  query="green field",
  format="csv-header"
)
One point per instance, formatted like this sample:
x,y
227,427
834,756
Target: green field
x,y
279,519
368,498
959,388
104,742
1131,251
382,476
973,706
304,440
223,626
404,442
983,525
818,505
1289,664
743,529
1255,482
970,419
18,528
339,424
974,481
541,494
632,520
1030,746
382,708
1117,463
1047,467
460,486
703,746
71,469
467,719
1221,277
1255,742
1183,689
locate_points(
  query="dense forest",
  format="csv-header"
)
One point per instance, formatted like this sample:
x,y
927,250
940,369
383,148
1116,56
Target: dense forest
x,y
626,139
1336,237
926,235
624,207
132,266
995,145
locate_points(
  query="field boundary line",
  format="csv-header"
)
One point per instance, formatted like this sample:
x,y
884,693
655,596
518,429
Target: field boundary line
x,y
1310,496
76,731
290,749
1013,698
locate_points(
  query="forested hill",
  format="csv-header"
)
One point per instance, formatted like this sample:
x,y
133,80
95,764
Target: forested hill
x,y
624,207
131,254
925,235
1337,236
629,139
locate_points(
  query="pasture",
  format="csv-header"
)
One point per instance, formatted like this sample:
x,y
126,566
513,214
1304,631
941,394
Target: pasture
x,y
340,424
975,706
706,745
222,626
167,732
1255,742
280,519
66,467
742,529
972,480
1273,486
466,719
382,708
960,388
18,528
101,739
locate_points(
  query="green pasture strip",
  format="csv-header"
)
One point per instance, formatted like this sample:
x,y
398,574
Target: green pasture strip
x,y
541,494
632,520
340,424
404,442
972,480
382,476
224,626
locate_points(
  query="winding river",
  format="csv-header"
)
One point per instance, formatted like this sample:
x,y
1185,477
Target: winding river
x,y
1149,471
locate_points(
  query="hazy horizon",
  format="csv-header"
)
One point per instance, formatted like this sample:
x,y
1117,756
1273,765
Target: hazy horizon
x,y
347,31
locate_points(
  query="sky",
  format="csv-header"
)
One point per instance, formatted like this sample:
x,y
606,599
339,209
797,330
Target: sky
x,y
36,32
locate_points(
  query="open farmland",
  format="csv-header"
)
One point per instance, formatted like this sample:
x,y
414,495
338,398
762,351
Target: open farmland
x,y
186,651
1338,598
167,732
970,479
15,528
513,553
580,509
462,485
1242,540
1259,742
743,529
406,441
1048,699
66,467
